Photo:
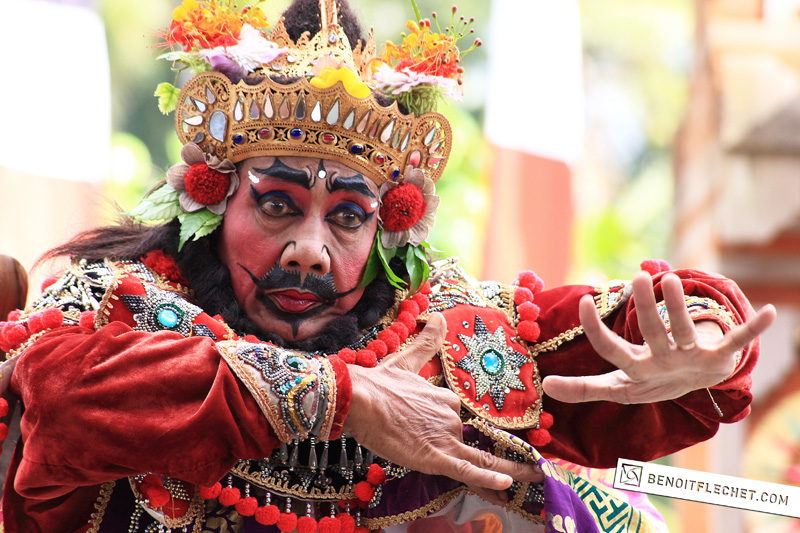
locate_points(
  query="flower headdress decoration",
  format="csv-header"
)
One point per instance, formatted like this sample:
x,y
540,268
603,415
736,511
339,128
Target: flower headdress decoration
x,y
418,73
210,35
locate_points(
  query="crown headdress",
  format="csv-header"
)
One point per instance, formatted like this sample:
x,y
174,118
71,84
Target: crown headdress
x,y
236,121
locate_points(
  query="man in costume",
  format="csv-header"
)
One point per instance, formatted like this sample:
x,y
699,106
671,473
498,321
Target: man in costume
x,y
278,353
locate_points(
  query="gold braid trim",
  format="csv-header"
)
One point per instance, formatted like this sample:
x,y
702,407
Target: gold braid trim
x,y
429,508
102,502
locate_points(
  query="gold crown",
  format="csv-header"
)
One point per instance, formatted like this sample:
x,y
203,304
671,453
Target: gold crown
x,y
239,121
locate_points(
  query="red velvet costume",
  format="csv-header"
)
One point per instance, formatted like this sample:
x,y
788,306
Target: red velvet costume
x,y
105,400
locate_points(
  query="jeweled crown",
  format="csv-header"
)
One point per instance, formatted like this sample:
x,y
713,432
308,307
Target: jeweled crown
x,y
262,117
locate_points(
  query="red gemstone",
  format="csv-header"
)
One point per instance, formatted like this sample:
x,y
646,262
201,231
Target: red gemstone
x,y
380,159
328,138
263,133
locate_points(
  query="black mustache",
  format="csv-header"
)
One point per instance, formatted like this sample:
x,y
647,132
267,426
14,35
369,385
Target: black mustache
x,y
323,287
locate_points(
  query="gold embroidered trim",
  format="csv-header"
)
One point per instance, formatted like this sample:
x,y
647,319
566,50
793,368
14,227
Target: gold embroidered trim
x,y
330,412
242,471
194,512
100,505
228,351
431,507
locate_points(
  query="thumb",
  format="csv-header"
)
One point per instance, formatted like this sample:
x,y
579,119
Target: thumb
x,y
427,344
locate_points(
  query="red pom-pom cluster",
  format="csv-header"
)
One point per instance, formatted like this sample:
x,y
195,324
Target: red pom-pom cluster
x,y
528,285
206,185
165,265
402,207
153,489
15,332
390,339
655,266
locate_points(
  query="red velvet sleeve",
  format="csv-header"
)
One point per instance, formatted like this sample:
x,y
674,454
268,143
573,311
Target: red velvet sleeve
x,y
108,404
597,433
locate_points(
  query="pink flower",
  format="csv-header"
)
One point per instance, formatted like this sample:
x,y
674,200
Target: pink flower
x,y
408,209
236,61
395,82
204,181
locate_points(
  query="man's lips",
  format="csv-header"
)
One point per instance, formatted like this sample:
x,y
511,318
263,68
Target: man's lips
x,y
293,301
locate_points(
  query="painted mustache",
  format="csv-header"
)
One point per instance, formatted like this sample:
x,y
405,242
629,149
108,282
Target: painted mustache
x,y
321,287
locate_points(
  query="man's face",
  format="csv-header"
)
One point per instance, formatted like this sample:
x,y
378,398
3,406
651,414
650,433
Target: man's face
x,y
296,238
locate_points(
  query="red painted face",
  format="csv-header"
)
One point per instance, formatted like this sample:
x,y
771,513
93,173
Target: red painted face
x,y
296,238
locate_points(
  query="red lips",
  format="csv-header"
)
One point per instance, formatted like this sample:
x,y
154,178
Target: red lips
x,y
293,301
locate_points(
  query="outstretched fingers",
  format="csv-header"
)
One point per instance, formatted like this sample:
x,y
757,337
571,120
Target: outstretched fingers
x,y
606,343
427,344
742,335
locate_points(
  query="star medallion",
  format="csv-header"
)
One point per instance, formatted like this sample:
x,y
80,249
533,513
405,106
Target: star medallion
x,y
493,364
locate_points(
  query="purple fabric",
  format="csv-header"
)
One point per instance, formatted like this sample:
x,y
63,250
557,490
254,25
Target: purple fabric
x,y
561,501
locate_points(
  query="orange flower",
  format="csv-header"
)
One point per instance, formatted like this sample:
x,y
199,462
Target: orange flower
x,y
210,23
425,52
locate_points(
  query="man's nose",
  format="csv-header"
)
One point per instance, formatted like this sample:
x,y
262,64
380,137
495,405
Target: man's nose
x,y
308,255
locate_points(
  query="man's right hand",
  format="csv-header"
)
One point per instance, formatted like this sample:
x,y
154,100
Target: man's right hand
x,y
399,416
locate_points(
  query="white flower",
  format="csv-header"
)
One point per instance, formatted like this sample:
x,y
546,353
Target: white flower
x,y
252,51
396,82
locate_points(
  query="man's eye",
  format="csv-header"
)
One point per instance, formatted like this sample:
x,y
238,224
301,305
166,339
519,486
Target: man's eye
x,y
277,205
348,216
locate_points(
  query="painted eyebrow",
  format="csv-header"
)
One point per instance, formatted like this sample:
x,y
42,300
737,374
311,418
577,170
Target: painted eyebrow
x,y
282,172
352,183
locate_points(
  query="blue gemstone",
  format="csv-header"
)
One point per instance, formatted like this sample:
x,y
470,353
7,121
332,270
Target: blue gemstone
x,y
395,173
168,317
492,362
296,133
296,362
238,138
298,379
356,149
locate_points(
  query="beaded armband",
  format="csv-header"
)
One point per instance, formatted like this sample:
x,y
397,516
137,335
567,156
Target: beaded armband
x,y
701,309
293,390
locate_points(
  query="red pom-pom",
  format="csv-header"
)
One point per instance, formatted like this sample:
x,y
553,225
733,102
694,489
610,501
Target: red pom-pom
x,y
409,306
528,311
390,338
152,480
530,280
212,492
545,420
364,491
52,318
247,506
400,329
15,334
538,437
14,315
3,432
251,339
268,515
206,185
87,319
426,288
402,207
3,407
47,282
654,266
347,356
329,524
165,265
306,524
229,496
361,529
157,494
422,301
522,295
35,323
379,347
347,523
366,358
375,474
287,522
529,330
408,320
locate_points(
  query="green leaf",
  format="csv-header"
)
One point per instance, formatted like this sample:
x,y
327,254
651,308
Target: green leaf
x,y
373,266
197,224
167,97
414,268
386,256
162,204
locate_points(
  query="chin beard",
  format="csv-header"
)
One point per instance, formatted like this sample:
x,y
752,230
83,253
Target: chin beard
x,y
210,280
